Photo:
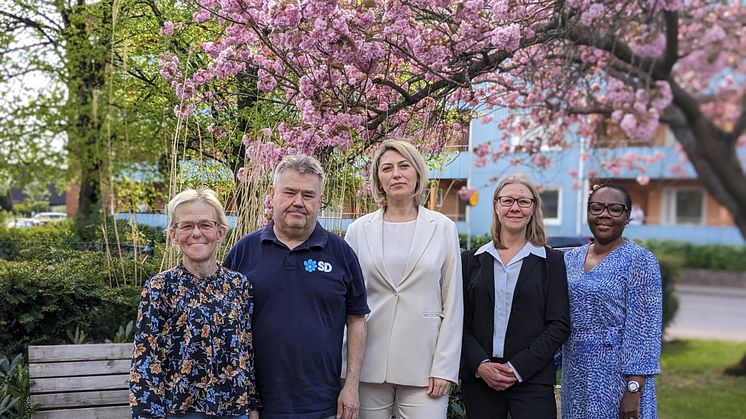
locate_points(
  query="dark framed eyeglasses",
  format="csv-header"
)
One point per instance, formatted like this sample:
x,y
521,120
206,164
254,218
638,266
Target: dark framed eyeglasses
x,y
507,201
614,210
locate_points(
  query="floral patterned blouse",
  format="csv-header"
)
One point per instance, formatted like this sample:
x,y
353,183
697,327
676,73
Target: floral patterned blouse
x,y
193,349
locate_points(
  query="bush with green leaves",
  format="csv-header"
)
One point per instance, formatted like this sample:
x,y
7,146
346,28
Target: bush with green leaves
x,y
670,267
476,241
42,238
701,256
15,397
44,302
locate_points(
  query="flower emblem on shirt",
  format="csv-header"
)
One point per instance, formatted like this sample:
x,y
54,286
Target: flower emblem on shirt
x,y
310,265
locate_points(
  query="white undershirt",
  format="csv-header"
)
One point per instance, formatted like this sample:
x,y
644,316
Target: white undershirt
x,y
397,241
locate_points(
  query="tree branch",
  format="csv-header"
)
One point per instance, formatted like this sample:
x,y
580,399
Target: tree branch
x,y
389,83
42,29
671,53
740,124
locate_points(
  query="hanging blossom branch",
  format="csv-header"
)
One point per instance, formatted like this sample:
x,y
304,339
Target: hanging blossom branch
x,y
356,71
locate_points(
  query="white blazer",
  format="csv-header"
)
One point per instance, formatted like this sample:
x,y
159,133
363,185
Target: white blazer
x,y
414,328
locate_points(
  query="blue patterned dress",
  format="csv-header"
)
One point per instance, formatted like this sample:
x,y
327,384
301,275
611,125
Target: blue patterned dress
x,y
616,319
193,349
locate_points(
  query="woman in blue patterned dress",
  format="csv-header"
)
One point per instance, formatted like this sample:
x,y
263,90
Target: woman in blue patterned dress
x,y
610,361
193,355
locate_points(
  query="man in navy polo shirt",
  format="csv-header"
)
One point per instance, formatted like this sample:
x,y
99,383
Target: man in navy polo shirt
x,y
308,285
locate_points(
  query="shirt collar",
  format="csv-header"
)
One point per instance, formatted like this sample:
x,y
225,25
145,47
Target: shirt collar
x,y
528,249
318,237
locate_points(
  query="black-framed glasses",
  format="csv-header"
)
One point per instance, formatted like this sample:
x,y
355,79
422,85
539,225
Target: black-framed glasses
x,y
203,226
614,210
507,201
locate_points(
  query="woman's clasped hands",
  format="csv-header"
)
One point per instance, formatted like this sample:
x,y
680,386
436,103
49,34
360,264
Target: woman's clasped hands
x,y
498,376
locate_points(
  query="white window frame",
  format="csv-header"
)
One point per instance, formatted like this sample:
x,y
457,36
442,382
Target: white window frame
x,y
555,221
669,204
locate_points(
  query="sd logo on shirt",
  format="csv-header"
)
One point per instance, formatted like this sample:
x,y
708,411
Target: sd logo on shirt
x,y
311,265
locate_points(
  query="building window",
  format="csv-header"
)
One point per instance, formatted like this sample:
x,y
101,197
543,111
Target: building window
x,y
684,206
550,198
444,199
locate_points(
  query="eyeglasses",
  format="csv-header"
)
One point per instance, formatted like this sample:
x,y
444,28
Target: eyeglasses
x,y
203,226
614,210
507,201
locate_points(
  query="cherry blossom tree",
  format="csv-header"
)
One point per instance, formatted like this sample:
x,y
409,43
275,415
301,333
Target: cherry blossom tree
x,y
349,72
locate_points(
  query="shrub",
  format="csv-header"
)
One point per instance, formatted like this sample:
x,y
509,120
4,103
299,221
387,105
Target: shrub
x,y
15,397
41,238
476,241
126,231
44,301
670,268
703,256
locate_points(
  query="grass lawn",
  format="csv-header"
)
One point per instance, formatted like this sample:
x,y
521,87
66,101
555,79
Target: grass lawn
x,y
692,385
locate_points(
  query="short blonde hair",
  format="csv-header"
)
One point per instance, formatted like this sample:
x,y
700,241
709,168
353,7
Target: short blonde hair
x,y
302,164
205,195
409,152
535,228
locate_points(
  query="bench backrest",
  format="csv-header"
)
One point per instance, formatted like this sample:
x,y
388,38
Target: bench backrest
x,y
80,381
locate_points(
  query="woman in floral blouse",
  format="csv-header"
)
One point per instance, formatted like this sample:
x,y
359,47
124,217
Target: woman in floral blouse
x,y
193,354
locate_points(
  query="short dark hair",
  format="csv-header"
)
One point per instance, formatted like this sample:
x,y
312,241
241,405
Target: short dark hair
x,y
620,188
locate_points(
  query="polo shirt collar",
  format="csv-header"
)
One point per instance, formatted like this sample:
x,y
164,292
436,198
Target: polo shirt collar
x,y
318,237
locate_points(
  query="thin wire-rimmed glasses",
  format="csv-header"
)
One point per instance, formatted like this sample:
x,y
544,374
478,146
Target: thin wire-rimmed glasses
x,y
614,210
507,201
204,226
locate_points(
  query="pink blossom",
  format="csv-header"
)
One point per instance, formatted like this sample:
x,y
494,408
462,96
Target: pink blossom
x,y
241,174
169,65
592,14
167,29
361,70
507,37
201,16
643,180
465,193
541,161
183,111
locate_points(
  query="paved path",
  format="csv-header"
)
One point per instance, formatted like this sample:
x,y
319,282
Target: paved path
x,y
709,312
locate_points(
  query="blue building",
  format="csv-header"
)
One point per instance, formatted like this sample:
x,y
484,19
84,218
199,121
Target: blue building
x,y
675,204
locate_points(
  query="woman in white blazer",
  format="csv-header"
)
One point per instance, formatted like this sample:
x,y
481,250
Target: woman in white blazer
x,y
411,262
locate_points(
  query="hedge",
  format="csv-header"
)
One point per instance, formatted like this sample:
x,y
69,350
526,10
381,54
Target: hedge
x,y
701,256
46,301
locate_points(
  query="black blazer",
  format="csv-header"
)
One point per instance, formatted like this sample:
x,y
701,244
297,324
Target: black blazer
x,y
539,322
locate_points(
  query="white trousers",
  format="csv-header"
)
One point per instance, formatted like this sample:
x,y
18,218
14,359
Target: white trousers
x,y
381,401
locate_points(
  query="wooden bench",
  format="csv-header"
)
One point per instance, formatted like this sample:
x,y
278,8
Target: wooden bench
x,y
80,381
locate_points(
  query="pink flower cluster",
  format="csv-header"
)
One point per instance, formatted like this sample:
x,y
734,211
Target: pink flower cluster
x,y
465,193
363,70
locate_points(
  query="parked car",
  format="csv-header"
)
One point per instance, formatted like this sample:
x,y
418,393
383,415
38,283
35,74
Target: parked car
x,y
22,223
46,217
564,242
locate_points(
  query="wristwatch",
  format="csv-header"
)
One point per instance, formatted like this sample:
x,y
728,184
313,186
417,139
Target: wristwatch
x,y
633,386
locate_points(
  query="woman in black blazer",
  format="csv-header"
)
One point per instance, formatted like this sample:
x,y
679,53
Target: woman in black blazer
x,y
516,312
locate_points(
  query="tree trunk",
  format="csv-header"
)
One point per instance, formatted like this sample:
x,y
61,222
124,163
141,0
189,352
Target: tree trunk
x,y
87,47
713,154
6,201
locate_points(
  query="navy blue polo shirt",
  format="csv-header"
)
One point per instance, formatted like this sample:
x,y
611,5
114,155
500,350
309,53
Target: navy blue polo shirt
x,y
302,299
